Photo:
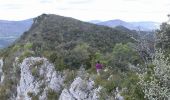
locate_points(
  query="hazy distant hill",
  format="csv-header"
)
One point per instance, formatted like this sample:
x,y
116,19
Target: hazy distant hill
x,y
11,30
144,26
14,28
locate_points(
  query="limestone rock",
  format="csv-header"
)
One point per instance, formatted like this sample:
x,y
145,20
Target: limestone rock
x,y
37,76
80,90
1,71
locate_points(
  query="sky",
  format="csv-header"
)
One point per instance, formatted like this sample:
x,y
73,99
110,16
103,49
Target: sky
x,y
86,10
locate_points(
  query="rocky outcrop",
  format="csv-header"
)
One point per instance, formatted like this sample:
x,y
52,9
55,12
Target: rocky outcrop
x,y
37,77
117,94
81,90
1,71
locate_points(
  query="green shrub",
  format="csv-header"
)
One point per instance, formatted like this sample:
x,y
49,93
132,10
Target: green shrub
x,y
28,46
25,54
16,48
122,55
52,95
30,94
35,97
109,86
133,90
57,60
34,72
38,63
70,75
3,92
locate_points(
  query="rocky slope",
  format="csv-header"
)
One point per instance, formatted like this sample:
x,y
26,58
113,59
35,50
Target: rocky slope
x,y
40,81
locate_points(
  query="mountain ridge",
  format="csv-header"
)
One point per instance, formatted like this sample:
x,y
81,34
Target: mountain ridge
x,y
141,25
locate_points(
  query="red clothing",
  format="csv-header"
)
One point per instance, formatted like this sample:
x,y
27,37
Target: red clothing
x,y
99,66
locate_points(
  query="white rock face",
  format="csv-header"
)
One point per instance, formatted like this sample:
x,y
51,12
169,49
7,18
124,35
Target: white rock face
x,y
1,71
80,90
117,95
37,76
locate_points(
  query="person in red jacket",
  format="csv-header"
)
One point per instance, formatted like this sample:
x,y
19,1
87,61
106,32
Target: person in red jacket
x,y
99,66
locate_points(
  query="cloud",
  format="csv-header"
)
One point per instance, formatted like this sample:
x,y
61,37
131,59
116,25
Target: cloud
x,y
11,6
79,1
128,10
45,1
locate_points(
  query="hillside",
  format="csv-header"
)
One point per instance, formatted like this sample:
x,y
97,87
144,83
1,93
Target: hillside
x,y
54,31
12,30
50,54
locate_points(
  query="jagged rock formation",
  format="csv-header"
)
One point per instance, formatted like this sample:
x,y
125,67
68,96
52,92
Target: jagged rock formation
x,y
81,90
1,71
37,77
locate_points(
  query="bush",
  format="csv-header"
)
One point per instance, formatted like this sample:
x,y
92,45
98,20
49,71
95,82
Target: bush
x,y
133,90
25,54
3,93
107,80
52,95
30,94
122,55
156,83
28,46
70,75
16,48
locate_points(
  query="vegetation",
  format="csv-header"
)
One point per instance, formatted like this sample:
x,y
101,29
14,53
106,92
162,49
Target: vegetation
x,y
52,95
70,44
70,75
156,82
122,55
126,82
66,42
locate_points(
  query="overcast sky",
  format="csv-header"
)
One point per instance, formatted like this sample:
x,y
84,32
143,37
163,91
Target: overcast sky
x,y
127,10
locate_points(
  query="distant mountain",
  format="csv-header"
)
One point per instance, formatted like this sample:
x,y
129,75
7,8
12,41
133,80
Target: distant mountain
x,y
11,30
147,25
143,26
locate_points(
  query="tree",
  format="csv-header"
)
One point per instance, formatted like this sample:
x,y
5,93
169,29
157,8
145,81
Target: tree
x,y
163,36
156,83
78,55
122,55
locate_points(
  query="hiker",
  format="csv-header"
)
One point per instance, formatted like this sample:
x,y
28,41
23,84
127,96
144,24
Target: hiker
x,y
98,67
